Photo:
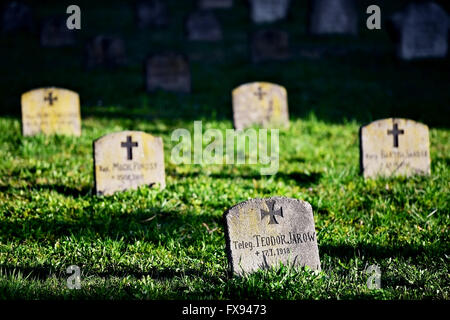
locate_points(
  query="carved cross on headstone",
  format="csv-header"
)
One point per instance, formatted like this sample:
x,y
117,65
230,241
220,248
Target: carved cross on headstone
x,y
396,132
129,145
271,213
50,98
260,94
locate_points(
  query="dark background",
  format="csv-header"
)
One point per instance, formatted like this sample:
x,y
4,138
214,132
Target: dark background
x,y
336,78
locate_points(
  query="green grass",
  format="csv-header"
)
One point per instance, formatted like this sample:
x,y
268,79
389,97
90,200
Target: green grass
x,y
169,244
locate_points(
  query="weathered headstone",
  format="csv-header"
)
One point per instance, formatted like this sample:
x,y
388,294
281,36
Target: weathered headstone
x,y
203,26
169,72
422,31
16,16
268,45
126,160
260,103
333,17
392,147
262,233
267,11
54,33
51,111
215,4
151,13
105,51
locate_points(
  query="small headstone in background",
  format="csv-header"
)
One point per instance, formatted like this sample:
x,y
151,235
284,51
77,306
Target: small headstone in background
x,y
393,147
262,233
16,16
203,26
126,160
54,33
106,51
151,13
215,4
168,72
51,111
268,45
422,30
260,103
333,17
267,11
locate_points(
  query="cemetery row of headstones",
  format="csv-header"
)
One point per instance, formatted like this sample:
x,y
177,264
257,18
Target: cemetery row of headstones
x,y
388,147
420,30
260,233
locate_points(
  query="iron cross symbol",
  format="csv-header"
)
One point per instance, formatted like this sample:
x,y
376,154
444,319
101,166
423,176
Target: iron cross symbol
x,y
260,94
395,132
50,98
129,145
271,213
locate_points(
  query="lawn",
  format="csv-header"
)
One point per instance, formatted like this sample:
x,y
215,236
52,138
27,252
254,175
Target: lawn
x,y
170,244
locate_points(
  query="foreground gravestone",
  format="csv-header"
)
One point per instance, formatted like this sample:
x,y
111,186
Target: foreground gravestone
x,y
51,111
106,51
392,147
260,103
267,11
262,233
215,4
54,33
151,13
126,160
269,45
333,17
16,16
203,26
421,31
168,72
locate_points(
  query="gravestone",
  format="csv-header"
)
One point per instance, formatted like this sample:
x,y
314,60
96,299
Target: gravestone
x,y
261,233
260,103
203,26
215,4
151,13
422,31
269,45
51,111
333,17
393,147
126,160
169,72
16,16
267,11
106,51
54,33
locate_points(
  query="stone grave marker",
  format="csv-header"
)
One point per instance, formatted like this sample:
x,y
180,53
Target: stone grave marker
x,y
215,4
267,11
260,103
392,147
333,17
16,16
151,13
51,111
106,51
169,72
203,26
421,31
269,45
126,160
54,33
261,233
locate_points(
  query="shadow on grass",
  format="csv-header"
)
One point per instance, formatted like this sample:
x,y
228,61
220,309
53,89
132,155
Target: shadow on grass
x,y
300,178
